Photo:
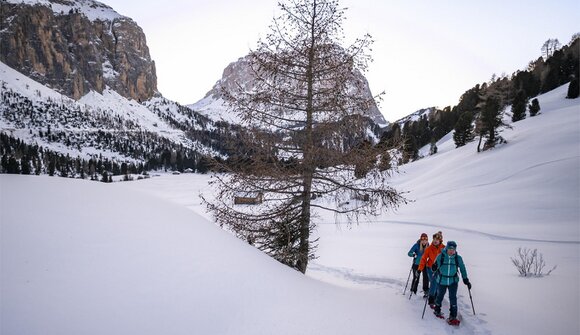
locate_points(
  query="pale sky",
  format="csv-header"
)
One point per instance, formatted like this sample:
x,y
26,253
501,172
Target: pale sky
x,y
426,53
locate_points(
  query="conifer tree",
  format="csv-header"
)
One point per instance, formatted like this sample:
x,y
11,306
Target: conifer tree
x,y
25,165
534,107
463,129
51,166
573,89
491,121
303,90
13,166
433,148
519,106
4,164
410,148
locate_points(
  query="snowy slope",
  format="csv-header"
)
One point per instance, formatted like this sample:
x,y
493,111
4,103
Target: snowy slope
x,y
143,258
215,109
523,194
416,116
542,151
93,10
122,115
33,90
93,258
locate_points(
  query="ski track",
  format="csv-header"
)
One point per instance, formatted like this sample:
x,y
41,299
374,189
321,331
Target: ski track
x,y
350,275
500,180
470,324
471,231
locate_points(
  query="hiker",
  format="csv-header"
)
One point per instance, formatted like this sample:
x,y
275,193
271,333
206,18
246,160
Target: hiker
x,y
426,263
417,251
447,265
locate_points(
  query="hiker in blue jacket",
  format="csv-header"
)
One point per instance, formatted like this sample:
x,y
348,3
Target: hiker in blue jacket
x,y
448,264
417,251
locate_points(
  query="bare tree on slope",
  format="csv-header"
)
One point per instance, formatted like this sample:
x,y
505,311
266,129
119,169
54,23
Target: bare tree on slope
x,y
307,146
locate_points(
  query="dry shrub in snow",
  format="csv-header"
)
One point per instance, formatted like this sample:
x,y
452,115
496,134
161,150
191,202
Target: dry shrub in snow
x,y
530,263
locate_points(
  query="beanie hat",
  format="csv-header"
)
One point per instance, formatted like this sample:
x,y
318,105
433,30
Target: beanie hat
x,y
451,245
424,235
437,236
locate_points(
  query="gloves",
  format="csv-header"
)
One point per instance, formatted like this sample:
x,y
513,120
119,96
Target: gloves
x,y
434,267
466,282
419,272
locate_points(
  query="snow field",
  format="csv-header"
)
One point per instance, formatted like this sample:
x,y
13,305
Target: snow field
x,y
143,257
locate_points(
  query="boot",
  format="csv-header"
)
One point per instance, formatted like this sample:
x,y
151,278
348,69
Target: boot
x,y
453,321
431,301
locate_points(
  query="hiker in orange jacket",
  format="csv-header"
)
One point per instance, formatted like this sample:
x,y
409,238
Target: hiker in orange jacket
x,y
427,261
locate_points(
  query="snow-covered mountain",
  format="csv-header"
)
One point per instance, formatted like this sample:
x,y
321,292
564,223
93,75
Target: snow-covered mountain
x,y
99,124
145,258
79,93
239,73
76,47
77,82
413,117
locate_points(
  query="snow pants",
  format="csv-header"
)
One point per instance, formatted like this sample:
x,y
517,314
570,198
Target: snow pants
x,y
452,299
434,284
415,282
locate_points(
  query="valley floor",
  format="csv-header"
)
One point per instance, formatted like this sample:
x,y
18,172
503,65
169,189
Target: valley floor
x,y
143,257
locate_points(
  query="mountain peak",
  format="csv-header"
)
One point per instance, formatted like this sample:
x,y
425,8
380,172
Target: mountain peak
x,y
240,73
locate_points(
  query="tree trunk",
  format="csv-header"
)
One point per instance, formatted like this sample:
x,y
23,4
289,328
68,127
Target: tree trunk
x,y
308,169
304,247
492,137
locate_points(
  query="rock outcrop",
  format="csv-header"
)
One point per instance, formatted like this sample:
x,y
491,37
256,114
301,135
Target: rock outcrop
x,y
77,46
240,73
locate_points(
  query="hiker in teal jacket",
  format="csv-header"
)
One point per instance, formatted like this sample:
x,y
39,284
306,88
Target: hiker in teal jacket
x,y
417,251
448,264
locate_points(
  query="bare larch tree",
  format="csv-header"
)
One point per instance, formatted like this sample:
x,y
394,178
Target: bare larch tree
x,y
306,147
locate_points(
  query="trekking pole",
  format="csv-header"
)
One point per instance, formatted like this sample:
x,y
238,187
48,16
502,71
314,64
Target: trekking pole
x,y
405,290
408,277
471,298
424,307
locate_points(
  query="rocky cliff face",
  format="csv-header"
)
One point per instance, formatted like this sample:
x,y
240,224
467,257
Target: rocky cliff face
x,y
240,73
76,46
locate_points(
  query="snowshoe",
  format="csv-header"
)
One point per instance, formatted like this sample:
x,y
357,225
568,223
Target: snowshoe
x,y
432,306
453,322
439,315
